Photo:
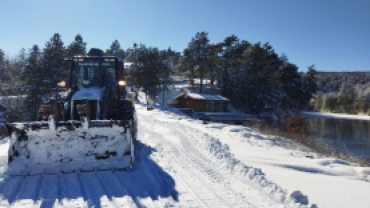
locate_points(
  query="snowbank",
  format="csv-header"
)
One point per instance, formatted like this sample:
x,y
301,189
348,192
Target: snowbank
x,y
335,116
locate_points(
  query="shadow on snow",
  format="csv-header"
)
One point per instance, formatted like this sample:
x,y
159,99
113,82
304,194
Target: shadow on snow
x,y
147,179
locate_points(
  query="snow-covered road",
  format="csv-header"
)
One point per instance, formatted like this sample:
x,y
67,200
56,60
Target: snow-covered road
x,y
178,164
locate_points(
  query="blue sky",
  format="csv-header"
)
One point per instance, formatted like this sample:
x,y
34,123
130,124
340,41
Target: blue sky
x,y
332,34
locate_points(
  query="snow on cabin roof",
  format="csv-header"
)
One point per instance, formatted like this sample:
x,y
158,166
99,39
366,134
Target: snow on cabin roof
x,y
197,96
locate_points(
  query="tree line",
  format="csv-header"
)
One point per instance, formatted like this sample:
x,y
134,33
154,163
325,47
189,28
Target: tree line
x,y
31,76
252,76
343,92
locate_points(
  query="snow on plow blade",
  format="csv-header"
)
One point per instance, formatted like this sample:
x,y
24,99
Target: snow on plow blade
x,y
48,147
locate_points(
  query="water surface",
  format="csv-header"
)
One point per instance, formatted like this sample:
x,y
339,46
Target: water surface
x,y
354,135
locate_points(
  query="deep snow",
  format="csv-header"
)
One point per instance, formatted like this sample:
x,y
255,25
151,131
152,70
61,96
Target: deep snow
x,y
328,182
181,162
177,165
184,163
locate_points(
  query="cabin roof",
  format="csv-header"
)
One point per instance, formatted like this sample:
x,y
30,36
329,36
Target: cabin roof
x,y
197,96
2,107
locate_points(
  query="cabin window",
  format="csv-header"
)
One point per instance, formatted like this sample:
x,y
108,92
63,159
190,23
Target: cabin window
x,y
224,106
211,106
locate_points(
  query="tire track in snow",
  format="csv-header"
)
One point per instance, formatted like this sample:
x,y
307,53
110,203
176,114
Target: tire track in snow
x,y
205,195
28,192
209,167
93,191
139,187
196,184
198,160
9,189
116,192
213,171
186,193
186,186
49,195
70,191
254,193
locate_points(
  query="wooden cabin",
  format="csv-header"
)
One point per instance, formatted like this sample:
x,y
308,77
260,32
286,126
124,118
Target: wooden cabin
x,y
201,102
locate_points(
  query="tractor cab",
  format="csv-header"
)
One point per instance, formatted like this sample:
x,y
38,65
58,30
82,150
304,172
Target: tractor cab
x,y
96,81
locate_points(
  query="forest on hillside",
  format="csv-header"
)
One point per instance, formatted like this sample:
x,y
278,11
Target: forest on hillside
x,y
251,75
343,92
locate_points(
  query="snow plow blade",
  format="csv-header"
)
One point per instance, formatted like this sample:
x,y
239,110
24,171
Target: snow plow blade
x,y
51,148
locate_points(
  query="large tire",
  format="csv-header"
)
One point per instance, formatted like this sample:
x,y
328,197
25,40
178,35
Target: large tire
x,y
125,111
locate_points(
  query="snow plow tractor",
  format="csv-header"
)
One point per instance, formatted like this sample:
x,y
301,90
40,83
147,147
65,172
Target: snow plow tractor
x,y
93,127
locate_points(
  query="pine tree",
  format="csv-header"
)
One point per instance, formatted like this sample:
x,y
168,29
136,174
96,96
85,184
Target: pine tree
x,y
196,56
346,97
2,66
33,77
115,50
309,85
151,69
77,47
1,56
292,84
229,59
187,64
261,85
53,62
167,61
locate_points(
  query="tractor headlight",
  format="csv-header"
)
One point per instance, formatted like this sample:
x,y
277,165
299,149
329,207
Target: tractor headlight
x,y
122,83
61,84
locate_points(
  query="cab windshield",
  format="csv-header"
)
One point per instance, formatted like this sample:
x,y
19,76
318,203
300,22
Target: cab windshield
x,y
88,74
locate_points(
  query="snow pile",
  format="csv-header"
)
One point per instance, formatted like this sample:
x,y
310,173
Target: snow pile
x,y
247,174
220,154
66,150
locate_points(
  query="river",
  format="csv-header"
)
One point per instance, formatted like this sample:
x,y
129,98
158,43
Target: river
x,y
353,134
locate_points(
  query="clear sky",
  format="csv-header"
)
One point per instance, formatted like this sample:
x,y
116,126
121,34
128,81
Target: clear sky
x,y
332,34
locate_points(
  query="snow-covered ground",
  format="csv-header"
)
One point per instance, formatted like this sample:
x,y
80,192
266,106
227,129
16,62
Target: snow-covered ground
x,y
327,182
181,162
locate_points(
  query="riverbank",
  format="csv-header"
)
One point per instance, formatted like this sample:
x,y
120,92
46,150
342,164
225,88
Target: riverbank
x,y
334,116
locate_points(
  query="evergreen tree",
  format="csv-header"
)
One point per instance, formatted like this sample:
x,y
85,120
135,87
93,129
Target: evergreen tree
x,y
261,85
309,85
115,50
187,64
1,56
320,102
196,55
147,73
346,97
34,76
77,47
230,54
167,62
291,83
53,57
152,68
2,66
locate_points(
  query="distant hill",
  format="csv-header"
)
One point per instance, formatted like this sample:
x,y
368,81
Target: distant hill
x,y
332,81
343,92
